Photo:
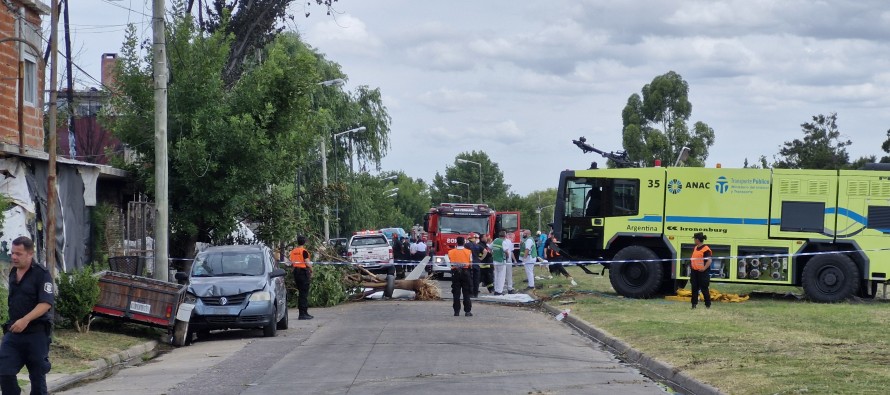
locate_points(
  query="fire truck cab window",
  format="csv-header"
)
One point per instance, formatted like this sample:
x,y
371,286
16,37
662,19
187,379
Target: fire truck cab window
x,y
463,225
509,222
602,197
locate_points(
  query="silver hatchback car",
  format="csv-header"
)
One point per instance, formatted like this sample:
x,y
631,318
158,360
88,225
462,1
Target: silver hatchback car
x,y
236,287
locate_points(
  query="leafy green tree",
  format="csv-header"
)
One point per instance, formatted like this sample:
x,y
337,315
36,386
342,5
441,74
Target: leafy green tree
x,y
654,124
886,147
761,163
821,147
493,186
252,25
245,151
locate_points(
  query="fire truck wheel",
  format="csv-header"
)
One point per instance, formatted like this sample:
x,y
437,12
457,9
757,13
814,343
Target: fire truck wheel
x,y
830,278
636,279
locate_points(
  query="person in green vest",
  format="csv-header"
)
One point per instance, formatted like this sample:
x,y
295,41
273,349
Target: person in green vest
x,y
529,254
502,254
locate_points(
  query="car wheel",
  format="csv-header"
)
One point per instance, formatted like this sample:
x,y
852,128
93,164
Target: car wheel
x,y
270,329
282,325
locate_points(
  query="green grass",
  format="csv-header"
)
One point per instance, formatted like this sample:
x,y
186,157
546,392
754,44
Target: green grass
x,y
764,345
71,351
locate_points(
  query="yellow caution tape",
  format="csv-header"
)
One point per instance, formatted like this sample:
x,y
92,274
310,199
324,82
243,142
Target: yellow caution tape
x,y
685,295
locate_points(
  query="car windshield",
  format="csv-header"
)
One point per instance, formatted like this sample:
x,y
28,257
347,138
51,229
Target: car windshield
x,y
230,263
369,241
464,225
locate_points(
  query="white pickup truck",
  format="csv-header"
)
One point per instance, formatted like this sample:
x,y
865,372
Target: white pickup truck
x,y
372,251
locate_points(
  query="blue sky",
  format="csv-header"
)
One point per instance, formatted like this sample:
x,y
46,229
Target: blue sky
x,y
520,79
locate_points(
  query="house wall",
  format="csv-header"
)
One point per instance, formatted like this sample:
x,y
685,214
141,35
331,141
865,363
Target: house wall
x,y
9,66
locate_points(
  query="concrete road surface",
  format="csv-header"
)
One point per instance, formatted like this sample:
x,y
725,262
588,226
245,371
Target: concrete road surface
x,y
390,347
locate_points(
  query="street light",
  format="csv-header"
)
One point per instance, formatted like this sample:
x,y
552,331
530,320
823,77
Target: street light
x,y
393,190
324,168
457,196
468,187
480,175
334,141
390,178
538,211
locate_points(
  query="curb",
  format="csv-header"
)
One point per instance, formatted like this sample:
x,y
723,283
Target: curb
x,y
101,367
679,381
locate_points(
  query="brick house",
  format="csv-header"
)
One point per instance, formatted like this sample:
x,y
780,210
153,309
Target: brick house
x,y
24,169
20,19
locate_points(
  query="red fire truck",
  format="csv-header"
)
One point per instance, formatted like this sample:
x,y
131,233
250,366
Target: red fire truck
x,y
447,221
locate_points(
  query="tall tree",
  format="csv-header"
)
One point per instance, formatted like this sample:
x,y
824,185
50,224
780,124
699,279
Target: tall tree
x,y
252,24
493,186
821,147
886,147
235,149
654,124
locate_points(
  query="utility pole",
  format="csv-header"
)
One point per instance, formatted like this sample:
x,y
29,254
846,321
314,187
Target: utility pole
x,y
53,141
324,184
159,53
72,146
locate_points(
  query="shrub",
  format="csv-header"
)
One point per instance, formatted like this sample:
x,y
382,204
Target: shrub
x,y
4,309
78,293
328,288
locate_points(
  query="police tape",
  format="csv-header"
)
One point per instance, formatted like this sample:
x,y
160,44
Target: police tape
x,y
542,262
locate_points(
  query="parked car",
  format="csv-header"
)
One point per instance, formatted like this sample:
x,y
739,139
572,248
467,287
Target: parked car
x,y
372,251
236,287
390,232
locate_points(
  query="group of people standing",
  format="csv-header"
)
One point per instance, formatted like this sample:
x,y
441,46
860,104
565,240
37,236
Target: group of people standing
x,y
479,260
408,249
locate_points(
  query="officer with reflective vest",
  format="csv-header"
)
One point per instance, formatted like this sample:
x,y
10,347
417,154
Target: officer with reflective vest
x,y
26,336
699,277
461,277
301,261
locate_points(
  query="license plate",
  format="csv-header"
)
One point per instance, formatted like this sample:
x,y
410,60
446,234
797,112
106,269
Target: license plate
x,y
140,307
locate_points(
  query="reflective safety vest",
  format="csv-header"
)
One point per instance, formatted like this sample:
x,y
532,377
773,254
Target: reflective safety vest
x,y
460,258
296,256
698,257
551,253
532,250
497,250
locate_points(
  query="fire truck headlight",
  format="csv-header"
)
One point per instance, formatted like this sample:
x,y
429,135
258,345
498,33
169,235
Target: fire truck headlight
x,y
439,260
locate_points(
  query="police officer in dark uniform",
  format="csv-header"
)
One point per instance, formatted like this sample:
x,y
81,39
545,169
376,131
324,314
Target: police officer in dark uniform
x,y
26,336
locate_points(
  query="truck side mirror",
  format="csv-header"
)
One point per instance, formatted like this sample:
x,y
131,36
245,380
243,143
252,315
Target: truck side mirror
x,y
426,222
497,224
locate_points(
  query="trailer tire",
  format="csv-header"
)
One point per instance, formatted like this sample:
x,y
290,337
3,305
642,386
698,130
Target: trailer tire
x,y
390,286
636,279
830,278
181,333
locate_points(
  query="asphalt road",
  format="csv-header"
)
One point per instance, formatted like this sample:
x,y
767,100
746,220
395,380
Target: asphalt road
x,y
390,347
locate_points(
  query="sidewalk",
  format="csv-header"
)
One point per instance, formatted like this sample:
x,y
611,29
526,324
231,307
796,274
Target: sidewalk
x,y
101,368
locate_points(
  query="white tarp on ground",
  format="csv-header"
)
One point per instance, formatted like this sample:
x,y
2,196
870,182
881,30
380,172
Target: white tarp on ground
x,y
509,298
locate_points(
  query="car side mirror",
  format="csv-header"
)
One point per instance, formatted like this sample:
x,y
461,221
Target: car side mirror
x,y
181,276
277,273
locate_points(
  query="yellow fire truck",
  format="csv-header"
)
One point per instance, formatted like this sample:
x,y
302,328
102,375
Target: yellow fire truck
x,y
825,230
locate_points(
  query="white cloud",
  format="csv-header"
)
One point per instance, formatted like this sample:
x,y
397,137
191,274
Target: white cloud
x,y
346,33
450,100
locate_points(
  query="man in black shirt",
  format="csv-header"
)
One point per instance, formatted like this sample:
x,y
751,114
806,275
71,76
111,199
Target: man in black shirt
x,y
27,333
475,271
